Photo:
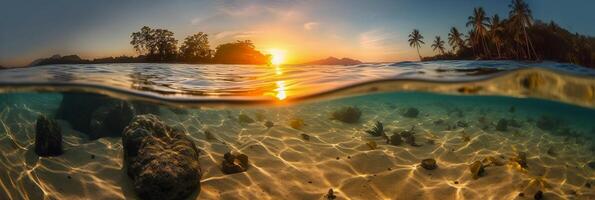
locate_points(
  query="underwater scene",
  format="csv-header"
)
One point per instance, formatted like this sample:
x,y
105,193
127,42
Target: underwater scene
x,y
413,130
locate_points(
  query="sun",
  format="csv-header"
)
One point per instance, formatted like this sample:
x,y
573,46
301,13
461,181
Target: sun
x,y
277,56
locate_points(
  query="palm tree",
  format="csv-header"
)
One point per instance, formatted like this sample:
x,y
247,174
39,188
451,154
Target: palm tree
x,y
479,22
416,40
496,32
520,16
455,39
438,44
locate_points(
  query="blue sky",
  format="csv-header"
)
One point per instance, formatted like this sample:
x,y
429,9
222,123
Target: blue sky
x,y
374,30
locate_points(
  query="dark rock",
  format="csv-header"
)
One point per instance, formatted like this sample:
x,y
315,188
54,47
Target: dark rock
x,y
502,125
162,162
429,164
538,195
77,109
348,114
377,131
477,169
110,120
547,123
306,137
438,122
234,163
48,137
411,112
521,159
269,124
396,140
330,195
588,185
591,164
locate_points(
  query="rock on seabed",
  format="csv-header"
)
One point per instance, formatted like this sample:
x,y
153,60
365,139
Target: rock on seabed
x,y
48,137
162,161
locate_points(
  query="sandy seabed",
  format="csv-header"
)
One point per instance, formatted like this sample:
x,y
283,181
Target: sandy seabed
x,y
286,165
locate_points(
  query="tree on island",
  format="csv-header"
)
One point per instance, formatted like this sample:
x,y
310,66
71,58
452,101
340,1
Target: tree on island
x,y
518,37
520,18
438,45
455,39
479,22
240,52
196,48
156,44
415,40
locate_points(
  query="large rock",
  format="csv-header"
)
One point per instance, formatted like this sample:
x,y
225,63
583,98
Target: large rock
x,y
98,115
348,114
162,161
77,109
48,137
110,120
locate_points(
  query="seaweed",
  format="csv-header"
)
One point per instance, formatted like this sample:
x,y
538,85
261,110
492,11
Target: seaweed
x,y
377,131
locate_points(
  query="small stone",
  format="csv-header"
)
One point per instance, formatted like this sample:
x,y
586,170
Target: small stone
x,y
521,159
411,112
502,125
591,164
269,124
234,163
538,195
330,195
92,156
429,164
477,169
456,182
588,185
310,182
305,136
297,123
69,177
521,194
337,158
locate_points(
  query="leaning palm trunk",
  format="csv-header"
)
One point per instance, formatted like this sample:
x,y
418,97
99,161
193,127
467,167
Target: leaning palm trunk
x,y
527,43
418,53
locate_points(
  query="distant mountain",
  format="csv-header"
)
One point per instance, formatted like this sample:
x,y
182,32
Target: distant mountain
x,y
57,59
334,61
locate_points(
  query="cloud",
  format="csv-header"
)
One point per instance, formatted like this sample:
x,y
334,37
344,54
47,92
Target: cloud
x,y
235,34
311,25
196,21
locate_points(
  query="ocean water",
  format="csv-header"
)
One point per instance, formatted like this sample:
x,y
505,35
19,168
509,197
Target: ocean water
x,y
530,126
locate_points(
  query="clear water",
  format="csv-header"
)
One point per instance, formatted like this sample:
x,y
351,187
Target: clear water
x,y
306,152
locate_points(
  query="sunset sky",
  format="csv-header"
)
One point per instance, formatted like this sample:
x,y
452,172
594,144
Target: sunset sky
x,y
373,31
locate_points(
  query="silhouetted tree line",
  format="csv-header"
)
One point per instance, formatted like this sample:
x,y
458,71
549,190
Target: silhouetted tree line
x,y
159,45
516,37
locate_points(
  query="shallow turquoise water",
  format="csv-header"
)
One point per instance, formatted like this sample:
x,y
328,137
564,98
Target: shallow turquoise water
x,y
297,148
